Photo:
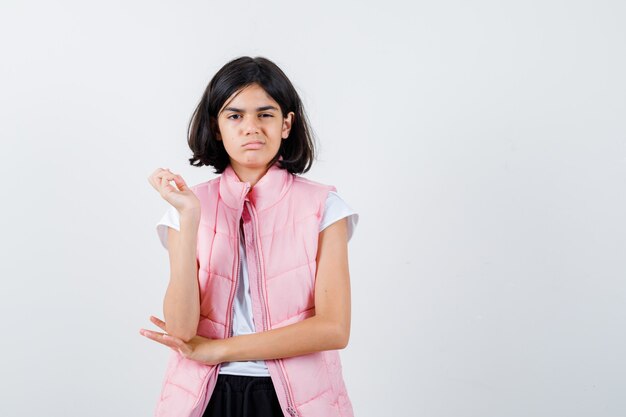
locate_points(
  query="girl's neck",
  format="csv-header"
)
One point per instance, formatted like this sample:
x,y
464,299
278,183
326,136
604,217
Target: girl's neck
x,y
251,175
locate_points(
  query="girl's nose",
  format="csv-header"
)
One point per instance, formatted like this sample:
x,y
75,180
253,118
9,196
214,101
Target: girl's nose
x,y
251,126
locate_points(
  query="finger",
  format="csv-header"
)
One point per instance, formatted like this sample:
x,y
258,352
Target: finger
x,y
172,342
153,178
165,185
164,174
170,347
158,322
156,171
180,183
159,337
160,171
167,340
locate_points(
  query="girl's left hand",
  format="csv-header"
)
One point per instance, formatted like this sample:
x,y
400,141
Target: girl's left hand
x,y
199,349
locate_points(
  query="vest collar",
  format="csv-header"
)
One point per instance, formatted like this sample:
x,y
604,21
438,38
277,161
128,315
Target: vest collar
x,y
269,189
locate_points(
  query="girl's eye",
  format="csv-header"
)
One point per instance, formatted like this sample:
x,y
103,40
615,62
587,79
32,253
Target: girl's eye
x,y
262,115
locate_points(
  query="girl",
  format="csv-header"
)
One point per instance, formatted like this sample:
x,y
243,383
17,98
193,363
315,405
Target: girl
x,y
258,302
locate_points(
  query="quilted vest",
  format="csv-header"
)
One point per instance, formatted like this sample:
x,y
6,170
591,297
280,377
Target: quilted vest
x,y
280,219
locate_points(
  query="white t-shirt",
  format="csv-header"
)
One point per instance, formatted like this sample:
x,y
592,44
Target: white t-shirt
x,y
243,322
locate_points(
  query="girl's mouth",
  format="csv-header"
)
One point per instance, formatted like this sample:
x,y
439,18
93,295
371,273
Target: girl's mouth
x,y
253,145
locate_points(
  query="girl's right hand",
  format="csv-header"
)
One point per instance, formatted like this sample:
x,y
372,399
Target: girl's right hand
x,y
181,197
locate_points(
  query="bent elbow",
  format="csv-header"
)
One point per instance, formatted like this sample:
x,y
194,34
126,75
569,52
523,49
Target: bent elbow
x,y
183,334
342,338
344,342
334,334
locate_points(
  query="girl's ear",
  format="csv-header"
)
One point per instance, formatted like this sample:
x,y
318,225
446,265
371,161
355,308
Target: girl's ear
x,y
287,123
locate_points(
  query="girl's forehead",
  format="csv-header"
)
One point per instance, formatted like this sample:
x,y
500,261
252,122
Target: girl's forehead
x,y
249,98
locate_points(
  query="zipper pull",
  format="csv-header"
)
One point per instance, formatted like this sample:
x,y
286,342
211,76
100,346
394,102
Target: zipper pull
x,y
246,195
292,411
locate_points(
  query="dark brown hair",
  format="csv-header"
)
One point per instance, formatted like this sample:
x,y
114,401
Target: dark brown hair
x,y
297,151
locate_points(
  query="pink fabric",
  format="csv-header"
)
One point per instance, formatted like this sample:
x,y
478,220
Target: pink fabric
x,y
281,216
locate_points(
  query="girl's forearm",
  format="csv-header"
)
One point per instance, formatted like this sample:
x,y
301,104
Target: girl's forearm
x,y
310,335
181,306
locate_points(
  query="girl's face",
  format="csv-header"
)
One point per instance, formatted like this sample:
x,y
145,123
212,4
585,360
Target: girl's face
x,y
251,126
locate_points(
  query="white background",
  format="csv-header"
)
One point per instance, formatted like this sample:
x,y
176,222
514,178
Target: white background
x,y
482,143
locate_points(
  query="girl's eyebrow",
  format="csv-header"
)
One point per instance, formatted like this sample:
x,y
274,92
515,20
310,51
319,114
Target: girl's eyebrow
x,y
257,109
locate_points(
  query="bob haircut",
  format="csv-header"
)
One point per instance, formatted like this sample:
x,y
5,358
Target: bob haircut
x,y
297,150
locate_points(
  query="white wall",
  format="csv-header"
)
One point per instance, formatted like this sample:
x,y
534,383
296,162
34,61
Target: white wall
x,y
483,144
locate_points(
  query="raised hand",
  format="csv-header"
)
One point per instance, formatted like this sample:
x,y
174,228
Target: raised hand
x,y
178,195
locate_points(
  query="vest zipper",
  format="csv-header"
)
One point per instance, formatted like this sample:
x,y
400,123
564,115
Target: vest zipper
x,y
232,303
291,409
237,262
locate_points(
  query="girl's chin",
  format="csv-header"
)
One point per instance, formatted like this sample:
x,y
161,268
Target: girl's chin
x,y
252,163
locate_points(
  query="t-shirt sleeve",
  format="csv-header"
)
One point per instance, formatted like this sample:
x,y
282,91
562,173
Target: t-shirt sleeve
x,y
336,209
171,218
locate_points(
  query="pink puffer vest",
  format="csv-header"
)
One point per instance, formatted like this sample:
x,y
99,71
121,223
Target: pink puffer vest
x,y
281,216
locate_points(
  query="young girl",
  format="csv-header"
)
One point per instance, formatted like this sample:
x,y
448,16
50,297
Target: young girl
x,y
258,302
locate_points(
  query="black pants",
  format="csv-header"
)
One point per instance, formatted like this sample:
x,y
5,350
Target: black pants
x,y
243,396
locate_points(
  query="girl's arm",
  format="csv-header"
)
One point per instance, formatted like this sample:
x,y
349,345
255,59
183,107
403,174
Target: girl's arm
x,y
181,306
328,329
